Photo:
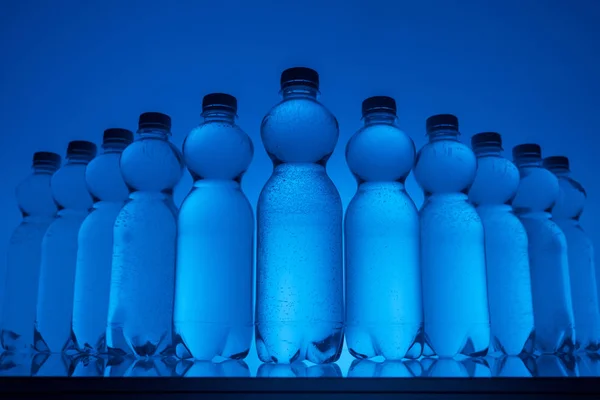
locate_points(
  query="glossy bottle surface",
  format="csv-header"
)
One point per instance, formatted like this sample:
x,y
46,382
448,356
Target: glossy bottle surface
x,y
548,258
59,251
214,281
384,315
140,311
582,271
34,198
456,316
95,244
299,303
506,248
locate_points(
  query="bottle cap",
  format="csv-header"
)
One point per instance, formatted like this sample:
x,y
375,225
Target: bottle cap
x,y
378,103
527,150
219,101
47,158
441,121
154,120
486,139
117,135
300,76
556,162
81,148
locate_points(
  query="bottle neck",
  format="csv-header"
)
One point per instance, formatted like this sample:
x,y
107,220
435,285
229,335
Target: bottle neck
x,y
487,150
561,171
299,91
44,169
528,161
379,117
79,159
114,147
155,133
442,134
219,115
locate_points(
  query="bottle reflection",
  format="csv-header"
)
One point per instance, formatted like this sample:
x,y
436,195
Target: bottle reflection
x,y
298,370
588,364
510,366
385,369
15,364
147,368
455,368
202,369
86,366
551,366
52,364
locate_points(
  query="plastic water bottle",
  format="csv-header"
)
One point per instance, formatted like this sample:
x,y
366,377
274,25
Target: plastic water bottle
x,y
59,251
215,239
299,303
94,254
507,258
140,311
37,206
384,313
455,303
582,274
550,285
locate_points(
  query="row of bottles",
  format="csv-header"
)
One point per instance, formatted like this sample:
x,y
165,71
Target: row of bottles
x,y
494,260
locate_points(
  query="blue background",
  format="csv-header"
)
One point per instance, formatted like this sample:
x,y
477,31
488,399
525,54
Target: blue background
x,y
527,69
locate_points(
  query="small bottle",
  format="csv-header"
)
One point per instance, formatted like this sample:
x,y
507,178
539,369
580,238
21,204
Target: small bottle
x,y
455,303
142,285
59,251
506,247
94,254
299,265
215,239
582,271
384,314
548,259
34,197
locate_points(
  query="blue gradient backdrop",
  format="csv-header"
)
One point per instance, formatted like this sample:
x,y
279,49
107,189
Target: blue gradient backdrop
x,y
527,69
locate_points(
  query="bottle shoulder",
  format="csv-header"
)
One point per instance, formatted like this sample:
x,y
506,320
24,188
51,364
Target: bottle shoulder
x,y
496,181
299,130
380,152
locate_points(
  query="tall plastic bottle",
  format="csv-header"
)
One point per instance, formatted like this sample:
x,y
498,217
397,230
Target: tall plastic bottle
x,y
384,313
299,303
548,259
94,254
140,311
59,251
455,303
582,273
506,247
34,197
215,239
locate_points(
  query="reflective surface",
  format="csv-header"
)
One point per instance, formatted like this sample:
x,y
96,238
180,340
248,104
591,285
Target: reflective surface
x,y
56,365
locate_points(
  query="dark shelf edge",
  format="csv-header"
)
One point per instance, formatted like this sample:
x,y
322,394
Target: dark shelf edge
x,y
467,386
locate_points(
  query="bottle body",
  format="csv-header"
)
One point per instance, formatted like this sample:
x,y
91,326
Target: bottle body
x,y
455,299
24,253
509,280
299,304
142,285
455,302
383,283
215,247
57,283
92,278
95,245
21,286
59,253
550,285
582,277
